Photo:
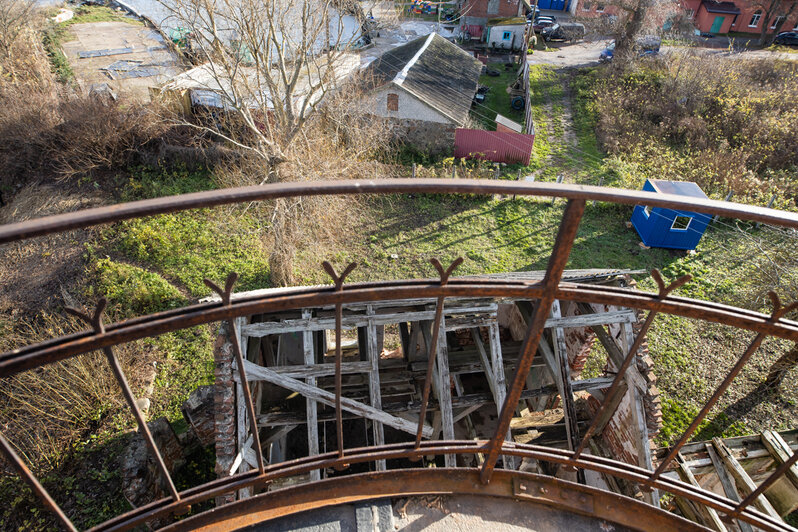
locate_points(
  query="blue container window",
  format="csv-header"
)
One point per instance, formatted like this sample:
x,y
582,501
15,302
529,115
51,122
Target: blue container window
x,y
681,223
507,36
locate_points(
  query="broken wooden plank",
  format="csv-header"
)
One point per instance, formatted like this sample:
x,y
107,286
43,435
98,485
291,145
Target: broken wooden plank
x,y
241,408
355,407
310,404
781,452
703,515
744,483
360,320
488,311
727,483
466,401
374,382
564,375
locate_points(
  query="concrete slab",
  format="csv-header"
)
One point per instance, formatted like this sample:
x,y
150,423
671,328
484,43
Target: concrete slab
x,y
103,44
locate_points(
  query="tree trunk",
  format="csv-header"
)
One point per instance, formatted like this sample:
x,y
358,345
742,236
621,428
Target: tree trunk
x,y
624,44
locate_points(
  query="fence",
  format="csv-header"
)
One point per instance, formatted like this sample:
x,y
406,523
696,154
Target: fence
x,y
500,147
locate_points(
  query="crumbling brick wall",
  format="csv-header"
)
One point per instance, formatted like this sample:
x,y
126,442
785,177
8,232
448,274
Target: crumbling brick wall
x,y
224,408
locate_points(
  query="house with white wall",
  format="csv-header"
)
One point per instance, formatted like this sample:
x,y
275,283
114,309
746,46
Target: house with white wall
x,y
425,89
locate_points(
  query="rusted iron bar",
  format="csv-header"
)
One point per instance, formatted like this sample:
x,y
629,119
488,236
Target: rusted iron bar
x,y
778,312
777,474
126,211
608,508
432,349
53,350
226,295
557,261
338,280
598,464
630,357
33,482
96,322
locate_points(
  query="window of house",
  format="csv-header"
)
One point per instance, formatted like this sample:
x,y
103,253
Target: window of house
x,y
734,20
586,6
777,21
393,102
600,8
755,19
647,211
507,35
681,223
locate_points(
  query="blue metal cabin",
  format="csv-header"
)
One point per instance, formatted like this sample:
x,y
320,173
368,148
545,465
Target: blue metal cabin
x,y
659,227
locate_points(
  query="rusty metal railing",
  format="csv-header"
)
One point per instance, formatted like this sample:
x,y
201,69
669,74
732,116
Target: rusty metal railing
x,y
545,292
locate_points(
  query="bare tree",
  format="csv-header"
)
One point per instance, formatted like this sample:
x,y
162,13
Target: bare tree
x,y
270,63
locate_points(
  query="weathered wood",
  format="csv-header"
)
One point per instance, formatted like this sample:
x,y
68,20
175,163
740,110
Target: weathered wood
x,y
466,401
374,382
488,311
486,363
314,371
310,404
727,483
467,411
701,514
744,483
353,322
617,356
355,407
781,452
497,365
540,378
241,409
564,369
445,394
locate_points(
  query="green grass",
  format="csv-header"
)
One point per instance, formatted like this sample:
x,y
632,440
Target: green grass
x,y
497,100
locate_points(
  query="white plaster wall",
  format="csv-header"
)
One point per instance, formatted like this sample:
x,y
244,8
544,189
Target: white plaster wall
x,y
410,107
496,32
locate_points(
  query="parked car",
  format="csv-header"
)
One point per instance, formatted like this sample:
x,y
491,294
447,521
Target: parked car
x,y
645,46
789,38
543,22
564,31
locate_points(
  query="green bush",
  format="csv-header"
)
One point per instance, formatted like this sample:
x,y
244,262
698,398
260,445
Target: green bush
x,y
132,290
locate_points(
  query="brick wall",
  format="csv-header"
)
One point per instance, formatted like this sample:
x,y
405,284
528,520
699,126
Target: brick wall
x,y
224,408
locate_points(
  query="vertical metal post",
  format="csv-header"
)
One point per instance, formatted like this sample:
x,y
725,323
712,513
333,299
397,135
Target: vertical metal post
x,y
339,311
432,348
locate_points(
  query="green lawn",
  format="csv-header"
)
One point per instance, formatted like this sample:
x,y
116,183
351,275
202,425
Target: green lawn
x,y
497,100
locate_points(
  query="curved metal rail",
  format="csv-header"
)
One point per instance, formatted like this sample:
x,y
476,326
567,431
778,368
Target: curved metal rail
x,y
545,292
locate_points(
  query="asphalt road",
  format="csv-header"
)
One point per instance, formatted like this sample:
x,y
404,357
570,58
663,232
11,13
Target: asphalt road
x,y
586,53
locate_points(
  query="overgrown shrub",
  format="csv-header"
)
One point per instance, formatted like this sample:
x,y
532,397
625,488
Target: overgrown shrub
x,y
729,125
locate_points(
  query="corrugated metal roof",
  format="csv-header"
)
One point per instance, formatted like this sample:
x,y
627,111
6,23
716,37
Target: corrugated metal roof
x,y
432,69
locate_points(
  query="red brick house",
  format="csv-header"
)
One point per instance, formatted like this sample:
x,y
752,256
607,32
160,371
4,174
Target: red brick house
x,y
475,13
743,16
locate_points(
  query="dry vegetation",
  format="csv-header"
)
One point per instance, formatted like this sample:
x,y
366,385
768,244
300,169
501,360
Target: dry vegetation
x,y
729,125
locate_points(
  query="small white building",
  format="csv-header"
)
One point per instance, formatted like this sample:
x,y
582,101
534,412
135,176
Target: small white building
x,y
425,89
506,33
